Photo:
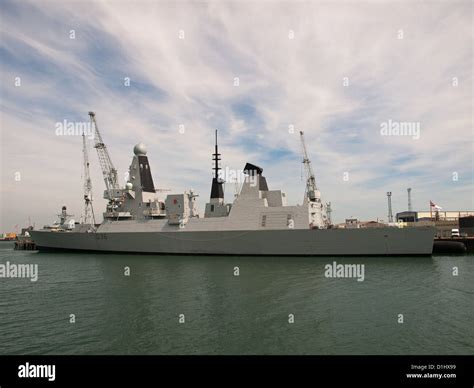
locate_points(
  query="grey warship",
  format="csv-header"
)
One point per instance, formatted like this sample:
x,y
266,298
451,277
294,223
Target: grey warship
x,y
257,223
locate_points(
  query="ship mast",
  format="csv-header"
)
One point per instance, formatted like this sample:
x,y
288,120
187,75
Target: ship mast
x,y
217,191
89,217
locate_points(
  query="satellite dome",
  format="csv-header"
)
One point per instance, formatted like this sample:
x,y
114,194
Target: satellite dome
x,y
139,149
129,186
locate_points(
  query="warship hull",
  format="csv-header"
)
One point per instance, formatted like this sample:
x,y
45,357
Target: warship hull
x,y
257,223
389,241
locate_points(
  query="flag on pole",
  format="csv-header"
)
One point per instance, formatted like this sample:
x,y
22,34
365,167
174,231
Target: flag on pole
x,y
434,206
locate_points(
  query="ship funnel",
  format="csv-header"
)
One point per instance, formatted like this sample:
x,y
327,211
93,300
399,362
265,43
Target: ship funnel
x,y
254,171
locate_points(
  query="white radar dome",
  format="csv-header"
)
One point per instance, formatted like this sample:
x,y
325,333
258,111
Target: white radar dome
x,y
139,149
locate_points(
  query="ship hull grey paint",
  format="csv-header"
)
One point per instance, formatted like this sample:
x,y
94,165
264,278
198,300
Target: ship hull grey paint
x,y
313,242
257,223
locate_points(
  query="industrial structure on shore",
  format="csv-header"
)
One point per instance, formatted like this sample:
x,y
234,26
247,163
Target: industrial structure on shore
x,y
444,220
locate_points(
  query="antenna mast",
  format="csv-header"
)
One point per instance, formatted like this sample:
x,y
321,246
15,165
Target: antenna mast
x,y
216,157
217,191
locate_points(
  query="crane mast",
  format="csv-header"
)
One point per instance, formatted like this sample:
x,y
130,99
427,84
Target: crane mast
x,y
318,217
89,217
311,189
108,170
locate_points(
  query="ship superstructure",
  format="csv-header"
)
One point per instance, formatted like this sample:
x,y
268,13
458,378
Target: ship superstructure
x,y
258,222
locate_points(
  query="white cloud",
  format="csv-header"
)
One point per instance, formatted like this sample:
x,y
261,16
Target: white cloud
x,y
287,82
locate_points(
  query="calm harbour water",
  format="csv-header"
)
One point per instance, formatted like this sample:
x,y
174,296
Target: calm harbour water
x,y
227,314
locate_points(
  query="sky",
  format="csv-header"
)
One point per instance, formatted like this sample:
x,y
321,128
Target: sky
x,y
169,73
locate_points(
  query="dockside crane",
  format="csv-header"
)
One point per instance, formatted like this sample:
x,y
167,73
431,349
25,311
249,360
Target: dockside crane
x,y
312,192
89,217
108,170
317,211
